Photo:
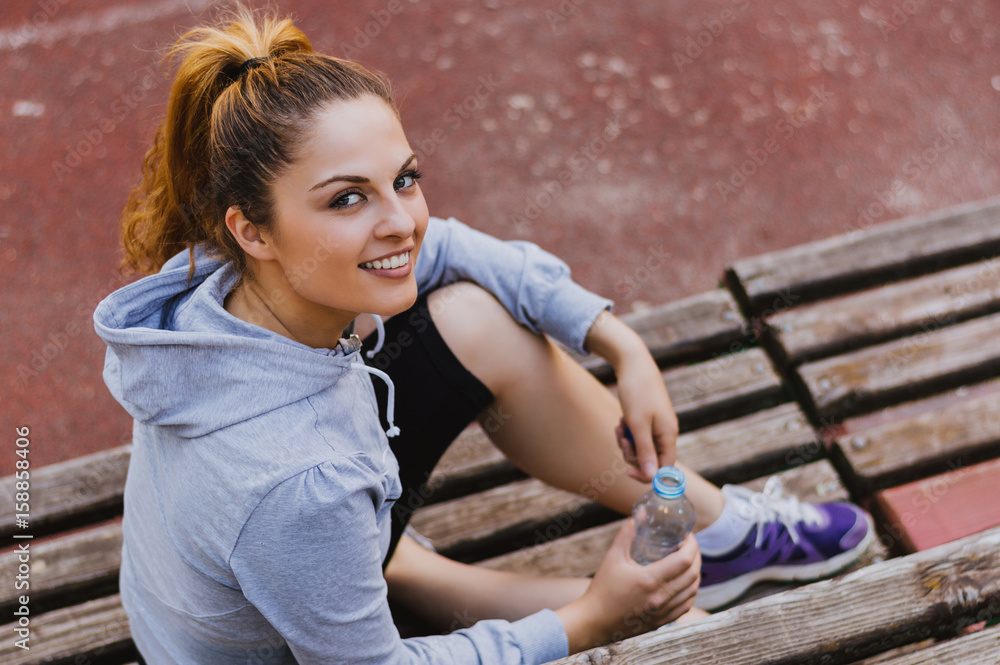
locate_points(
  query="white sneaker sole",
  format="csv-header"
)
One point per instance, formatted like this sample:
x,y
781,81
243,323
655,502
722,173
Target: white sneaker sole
x,y
718,595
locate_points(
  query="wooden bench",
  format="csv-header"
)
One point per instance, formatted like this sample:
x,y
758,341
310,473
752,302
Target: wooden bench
x,y
874,378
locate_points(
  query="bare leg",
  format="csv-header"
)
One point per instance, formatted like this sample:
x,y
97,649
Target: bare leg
x,y
556,422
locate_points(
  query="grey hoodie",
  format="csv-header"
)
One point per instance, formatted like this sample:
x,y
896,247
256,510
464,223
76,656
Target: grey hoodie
x,y
258,498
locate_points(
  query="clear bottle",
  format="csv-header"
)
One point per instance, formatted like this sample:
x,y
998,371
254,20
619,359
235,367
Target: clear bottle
x,y
663,517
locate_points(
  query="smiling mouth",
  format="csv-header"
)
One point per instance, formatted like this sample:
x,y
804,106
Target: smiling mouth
x,y
394,261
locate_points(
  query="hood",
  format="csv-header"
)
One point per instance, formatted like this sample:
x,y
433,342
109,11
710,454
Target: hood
x,y
177,359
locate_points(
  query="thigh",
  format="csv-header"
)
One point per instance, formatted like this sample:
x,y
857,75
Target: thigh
x,y
436,398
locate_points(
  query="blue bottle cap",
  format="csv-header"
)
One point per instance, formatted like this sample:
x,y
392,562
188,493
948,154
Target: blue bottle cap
x,y
669,482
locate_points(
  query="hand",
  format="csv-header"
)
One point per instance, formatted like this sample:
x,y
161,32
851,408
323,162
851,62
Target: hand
x,y
626,599
647,433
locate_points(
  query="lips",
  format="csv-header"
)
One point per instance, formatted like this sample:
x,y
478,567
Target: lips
x,y
388,262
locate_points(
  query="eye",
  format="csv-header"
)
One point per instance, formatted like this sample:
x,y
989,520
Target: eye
x,y
347,199
407,179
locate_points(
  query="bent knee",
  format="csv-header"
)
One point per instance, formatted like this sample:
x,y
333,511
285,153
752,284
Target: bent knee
x,y
479,331
465,314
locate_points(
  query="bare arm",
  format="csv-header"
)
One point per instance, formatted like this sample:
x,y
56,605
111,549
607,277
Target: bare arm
x,y
646,406
451,595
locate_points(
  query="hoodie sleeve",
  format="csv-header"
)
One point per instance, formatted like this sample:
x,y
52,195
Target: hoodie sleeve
x,y
532,284
309,560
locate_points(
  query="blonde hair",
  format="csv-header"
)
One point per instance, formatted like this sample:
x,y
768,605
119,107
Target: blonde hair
x,y
229,131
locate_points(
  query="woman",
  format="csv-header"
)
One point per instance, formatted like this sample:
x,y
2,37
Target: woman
x,y
280,201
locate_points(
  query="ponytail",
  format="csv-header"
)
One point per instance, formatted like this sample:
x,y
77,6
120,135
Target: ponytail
x,y
239,105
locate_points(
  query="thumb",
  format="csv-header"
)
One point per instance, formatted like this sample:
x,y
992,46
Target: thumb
x,y
623,539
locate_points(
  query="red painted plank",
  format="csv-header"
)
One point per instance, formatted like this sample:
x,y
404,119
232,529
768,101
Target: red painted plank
x,y
940,509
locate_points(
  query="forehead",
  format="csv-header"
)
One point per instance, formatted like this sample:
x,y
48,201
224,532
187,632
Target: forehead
x,y
363,131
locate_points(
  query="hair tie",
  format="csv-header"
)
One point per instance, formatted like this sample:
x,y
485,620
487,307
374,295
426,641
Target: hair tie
x,y
252,63
230,76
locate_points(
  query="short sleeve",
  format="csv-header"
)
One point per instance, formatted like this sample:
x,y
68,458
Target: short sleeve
x,y
535,286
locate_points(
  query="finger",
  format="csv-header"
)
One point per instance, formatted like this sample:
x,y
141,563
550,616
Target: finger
x,y
625,443
666,446
681,604
677,563
645,452
665,436
675,598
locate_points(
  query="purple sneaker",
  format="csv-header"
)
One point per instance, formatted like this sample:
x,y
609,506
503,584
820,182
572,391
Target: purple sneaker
x,y
787,540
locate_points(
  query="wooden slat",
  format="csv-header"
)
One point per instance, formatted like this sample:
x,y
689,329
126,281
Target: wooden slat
x,y
943,508
83,488
62,566
684,331
703,393
903,369
739,450
504,517
521,512
470,464
834,622
836,325
867,257
922,442
975,649
722,388
78,634
576,555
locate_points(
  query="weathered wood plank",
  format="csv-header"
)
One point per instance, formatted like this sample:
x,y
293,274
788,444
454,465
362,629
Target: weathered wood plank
x,y
871,610
903,369
684,331
943,508
923,443
837,325
78,634
470,464
62,567
739,450
722,388
866,257
528,511
976,649
504,518
78,490
727,386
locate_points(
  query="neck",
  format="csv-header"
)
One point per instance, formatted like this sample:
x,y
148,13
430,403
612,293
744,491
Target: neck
x,y
290,316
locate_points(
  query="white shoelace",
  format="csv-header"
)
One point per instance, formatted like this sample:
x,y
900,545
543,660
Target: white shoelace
x,y
769,504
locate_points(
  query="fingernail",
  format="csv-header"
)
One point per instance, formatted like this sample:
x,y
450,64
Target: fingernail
x,y
649,469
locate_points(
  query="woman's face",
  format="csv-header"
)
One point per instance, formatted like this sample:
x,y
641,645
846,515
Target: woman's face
x,y
350,215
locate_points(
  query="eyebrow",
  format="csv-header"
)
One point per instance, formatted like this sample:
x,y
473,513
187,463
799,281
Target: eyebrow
x,y
356,178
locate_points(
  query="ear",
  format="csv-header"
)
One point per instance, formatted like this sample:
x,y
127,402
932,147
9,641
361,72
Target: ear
x,y
254,243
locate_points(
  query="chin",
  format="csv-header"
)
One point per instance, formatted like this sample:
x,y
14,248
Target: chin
x,y
396,305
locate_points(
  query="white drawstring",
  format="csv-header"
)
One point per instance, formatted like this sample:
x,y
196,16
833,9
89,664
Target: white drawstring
x,y
390,407
381,336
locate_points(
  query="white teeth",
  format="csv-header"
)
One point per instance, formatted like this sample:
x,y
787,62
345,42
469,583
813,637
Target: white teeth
x,y
391,262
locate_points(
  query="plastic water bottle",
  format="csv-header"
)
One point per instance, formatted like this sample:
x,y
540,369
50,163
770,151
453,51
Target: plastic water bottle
x,y
663,517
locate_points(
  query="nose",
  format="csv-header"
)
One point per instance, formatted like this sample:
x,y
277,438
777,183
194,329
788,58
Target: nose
x,y
395,220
